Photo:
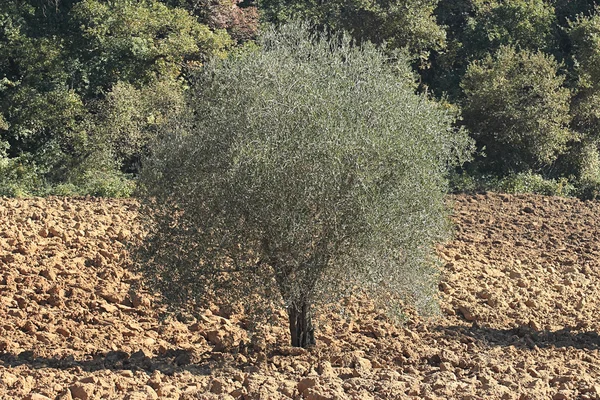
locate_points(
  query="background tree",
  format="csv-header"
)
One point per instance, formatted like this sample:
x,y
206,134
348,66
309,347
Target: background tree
x,y
59,58
40,110
516,107
307,169
239,17
476,28
584,35
406,24
528,25
139,41
128,118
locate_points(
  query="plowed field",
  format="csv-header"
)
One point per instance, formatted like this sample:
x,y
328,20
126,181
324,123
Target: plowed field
x,y
520,300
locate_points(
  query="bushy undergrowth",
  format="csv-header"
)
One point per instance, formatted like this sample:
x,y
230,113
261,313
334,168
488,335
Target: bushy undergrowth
x,y
533,183
524,182
22,177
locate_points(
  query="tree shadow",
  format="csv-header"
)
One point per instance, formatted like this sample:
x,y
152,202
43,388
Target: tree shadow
x,y
525,337
171,361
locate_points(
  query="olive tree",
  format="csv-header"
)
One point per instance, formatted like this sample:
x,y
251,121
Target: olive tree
x,y
307,169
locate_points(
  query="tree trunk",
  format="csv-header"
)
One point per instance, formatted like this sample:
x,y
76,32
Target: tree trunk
x,y
301,327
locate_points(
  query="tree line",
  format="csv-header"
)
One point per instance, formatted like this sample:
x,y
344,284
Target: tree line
x,y
86,84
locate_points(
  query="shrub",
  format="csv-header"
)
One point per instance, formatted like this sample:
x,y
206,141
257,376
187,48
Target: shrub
x,y
583,160
106,184
588,190
516,107
17,177
524,182
28,175
129,118
534,183
23,177
308,169
463,181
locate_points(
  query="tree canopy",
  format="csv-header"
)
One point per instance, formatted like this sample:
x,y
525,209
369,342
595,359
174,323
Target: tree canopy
x,y
306,168
56,60
517,108
65,65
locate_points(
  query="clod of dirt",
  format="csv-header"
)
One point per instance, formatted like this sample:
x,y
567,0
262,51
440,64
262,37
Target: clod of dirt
x,y
520,294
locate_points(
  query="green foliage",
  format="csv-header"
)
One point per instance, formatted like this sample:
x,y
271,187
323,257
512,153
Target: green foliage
x,y
480,27
529,182
239,18
17,177
35,101
400,23
461,181
136,42
524,24
58,60
305,168
583,163
567,10
104,184
584,33
588,158
129,118
588,190
516,107
27,175
523,182
86,84
507,116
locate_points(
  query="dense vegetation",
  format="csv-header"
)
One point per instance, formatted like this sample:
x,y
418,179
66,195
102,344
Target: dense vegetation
x,y
85,84
322,173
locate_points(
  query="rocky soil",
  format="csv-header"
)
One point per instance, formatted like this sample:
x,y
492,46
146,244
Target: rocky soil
x,y
520,299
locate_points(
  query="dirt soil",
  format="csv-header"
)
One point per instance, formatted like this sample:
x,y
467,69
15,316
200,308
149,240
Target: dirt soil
x,y
520,298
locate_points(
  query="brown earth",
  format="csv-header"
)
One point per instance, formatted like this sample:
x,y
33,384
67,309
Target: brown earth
x,y
520,297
